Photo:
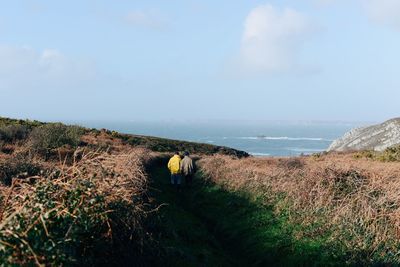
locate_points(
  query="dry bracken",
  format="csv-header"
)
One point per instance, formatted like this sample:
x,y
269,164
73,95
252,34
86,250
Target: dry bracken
x,y
61,215
356,202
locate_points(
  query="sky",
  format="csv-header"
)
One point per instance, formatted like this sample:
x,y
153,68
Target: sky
x,y
157,60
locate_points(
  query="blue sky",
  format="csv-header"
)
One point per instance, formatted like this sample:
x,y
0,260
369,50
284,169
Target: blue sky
x,y
189,60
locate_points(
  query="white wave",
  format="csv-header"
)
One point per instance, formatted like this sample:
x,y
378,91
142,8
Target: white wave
x,y
286,138
257,154
305,149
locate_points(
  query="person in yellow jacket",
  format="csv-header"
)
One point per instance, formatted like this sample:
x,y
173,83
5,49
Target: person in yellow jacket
x,y
174,166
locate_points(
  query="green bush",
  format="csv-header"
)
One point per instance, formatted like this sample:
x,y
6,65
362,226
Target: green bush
x,y
11,133
45,232
48,137
390,154
85,218
27,123
365,154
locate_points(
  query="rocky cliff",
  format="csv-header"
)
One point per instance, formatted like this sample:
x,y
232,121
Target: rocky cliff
x,y
376,137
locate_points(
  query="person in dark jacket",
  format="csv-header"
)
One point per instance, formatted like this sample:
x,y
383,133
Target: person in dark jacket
x,y
187,168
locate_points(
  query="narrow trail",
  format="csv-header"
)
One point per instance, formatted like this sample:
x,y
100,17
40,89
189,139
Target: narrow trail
x,y
206,225
189,241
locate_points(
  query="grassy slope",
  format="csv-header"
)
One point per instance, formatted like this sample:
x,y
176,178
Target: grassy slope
x,y
209,226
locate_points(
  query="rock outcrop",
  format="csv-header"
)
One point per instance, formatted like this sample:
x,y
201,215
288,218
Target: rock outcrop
x,y
376,137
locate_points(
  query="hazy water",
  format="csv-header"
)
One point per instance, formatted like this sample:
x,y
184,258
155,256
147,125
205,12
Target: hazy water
x,y
261,139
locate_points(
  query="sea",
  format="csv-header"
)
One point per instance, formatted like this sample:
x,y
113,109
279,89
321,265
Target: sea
x,y
258,138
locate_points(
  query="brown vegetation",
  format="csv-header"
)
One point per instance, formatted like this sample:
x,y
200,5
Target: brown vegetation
x,y
70,195
352,202
64,214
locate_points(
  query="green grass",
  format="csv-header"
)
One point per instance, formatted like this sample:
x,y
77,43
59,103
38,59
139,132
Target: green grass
x,y
207,225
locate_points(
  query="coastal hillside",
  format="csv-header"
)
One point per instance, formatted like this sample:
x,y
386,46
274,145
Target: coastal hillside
x,y
375,137
71,196
15,132
74,196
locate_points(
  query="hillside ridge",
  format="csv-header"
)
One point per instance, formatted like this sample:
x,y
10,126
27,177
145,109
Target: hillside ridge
x,y
156,144
375,137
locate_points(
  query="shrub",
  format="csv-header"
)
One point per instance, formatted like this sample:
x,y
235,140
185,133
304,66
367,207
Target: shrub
x,y
48,137
11,133
86,216
17,167
7,148
291,163
390,154
27,123
365,154
343,182
169,145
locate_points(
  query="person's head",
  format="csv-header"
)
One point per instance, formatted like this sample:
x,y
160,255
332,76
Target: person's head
x,y
177,153
186,154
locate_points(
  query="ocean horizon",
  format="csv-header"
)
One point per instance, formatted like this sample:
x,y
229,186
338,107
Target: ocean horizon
x,y
262,139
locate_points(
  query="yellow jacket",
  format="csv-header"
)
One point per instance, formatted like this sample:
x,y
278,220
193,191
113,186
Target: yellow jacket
x,y
174,164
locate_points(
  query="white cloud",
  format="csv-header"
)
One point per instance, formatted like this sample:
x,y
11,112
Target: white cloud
x,y
24,68
147,19
386,12
49,84
272,39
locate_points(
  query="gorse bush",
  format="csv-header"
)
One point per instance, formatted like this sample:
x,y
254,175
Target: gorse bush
x,y
390,154
48,137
